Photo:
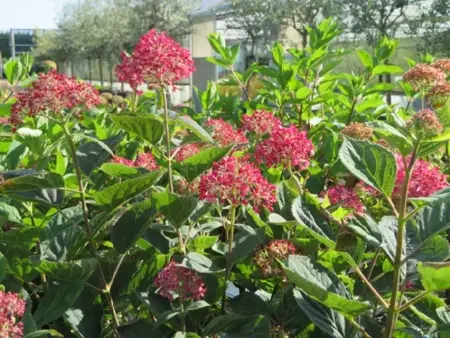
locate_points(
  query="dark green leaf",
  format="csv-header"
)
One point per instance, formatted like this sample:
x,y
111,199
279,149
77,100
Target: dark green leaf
x,y
200,263
120,193
43,334
118,170
9,213
371,163
197,305
175,208
246,241
150,129
67,271
3,266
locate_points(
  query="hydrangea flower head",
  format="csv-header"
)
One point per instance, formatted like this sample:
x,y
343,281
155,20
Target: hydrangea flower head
x,y
145,160
266,257
426,179
12,308
423,76
237,182
358,131
53,92
224,133
425,123
285,146
443,64
439,95
175,280
185,151
346,196
260,122
156,59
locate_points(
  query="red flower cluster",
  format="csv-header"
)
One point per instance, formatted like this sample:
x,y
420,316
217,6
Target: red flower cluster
x,y
285,146
12,308
178,280
238,182
425,179
260,122
145,160
346,196
185,151
156,59
425,123
266,257
423,76
224,133
53,92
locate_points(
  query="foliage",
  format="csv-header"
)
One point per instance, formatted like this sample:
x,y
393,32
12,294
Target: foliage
x,y
134,220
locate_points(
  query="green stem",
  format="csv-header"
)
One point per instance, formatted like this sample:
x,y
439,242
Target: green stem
x,y
88,228
183,316
228,257
413,301
360,328
398,262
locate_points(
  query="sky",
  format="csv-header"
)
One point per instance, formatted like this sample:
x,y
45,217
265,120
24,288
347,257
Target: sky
x,y
29,13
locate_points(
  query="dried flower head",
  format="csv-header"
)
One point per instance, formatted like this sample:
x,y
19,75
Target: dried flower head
x,y
175,280
443,64
439,95
12,308
145,160
260,122
266,257
185,151
53,93
224,133
358,131
285,146
156,59
423,76
426,179
346,196
237,182
425,123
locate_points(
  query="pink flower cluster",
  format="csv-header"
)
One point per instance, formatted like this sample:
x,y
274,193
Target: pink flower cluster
x,y
425,179
425,123
156,59
12,308
185,151
178,280
224,133
443,64
424,77
145,160
260,122
266,257
285,146
53,92
346,196
238,182
439,95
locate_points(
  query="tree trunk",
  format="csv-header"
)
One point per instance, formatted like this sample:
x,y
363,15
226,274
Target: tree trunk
x,y
111,76
72,69
304,35
100,67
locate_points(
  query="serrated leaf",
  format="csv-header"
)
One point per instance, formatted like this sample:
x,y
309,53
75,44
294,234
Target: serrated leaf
x,y
120,193
150,129
371,163
322,285
177,209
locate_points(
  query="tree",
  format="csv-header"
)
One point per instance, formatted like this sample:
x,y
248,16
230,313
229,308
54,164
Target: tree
x,y
299,14
258,21
436,37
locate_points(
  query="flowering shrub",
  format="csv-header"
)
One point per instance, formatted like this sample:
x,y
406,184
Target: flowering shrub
x,y
309,208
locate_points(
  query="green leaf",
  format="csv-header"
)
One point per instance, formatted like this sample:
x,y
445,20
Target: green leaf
x,y
322,285
432,219
246,241
197,305
312,221
9,213
57,300
201,243
131,225
371,163
365,227
180,334
40,187
143,278
139,329
369,104
366,59
394,137
67,271
3,266
195,165
175,208
324,318
118,170
13,71
61,164
278,54
434,276
43,334
188,123
150,129
120,193
24,237
200,263
386,69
